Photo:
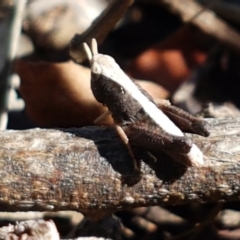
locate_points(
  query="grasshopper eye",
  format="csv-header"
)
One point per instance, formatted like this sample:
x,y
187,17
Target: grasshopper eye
x,y
96,68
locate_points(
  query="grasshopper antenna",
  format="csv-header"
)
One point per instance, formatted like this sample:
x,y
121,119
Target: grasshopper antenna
x,y
94,46
88,52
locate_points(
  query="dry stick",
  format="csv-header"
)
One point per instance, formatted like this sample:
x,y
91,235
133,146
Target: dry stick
x,y
99,28
193,233
206,20
9,49
227,10
89,170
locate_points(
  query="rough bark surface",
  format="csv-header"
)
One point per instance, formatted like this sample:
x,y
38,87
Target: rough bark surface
x,y
89,170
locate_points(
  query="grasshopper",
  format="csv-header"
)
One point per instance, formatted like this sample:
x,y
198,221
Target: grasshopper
x,y
139,120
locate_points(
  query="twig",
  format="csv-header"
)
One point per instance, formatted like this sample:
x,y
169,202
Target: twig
x,y
89,170
13,28
99,28
192,233
206,20
227,10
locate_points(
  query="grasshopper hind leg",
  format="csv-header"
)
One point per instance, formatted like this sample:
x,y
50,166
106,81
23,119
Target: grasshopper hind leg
x,y
125,140
123,137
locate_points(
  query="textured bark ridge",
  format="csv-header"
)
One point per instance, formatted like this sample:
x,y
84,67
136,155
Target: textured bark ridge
x,y
89,170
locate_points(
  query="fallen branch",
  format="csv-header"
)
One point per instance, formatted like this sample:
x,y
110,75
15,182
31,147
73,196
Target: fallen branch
x,y
99,28
228,10
89,170
206,20
10,29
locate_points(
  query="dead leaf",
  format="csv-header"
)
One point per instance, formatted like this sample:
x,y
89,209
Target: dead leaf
x,y
171,61
58,94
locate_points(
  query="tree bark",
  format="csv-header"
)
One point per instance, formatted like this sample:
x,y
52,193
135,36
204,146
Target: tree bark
x,y
89,170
